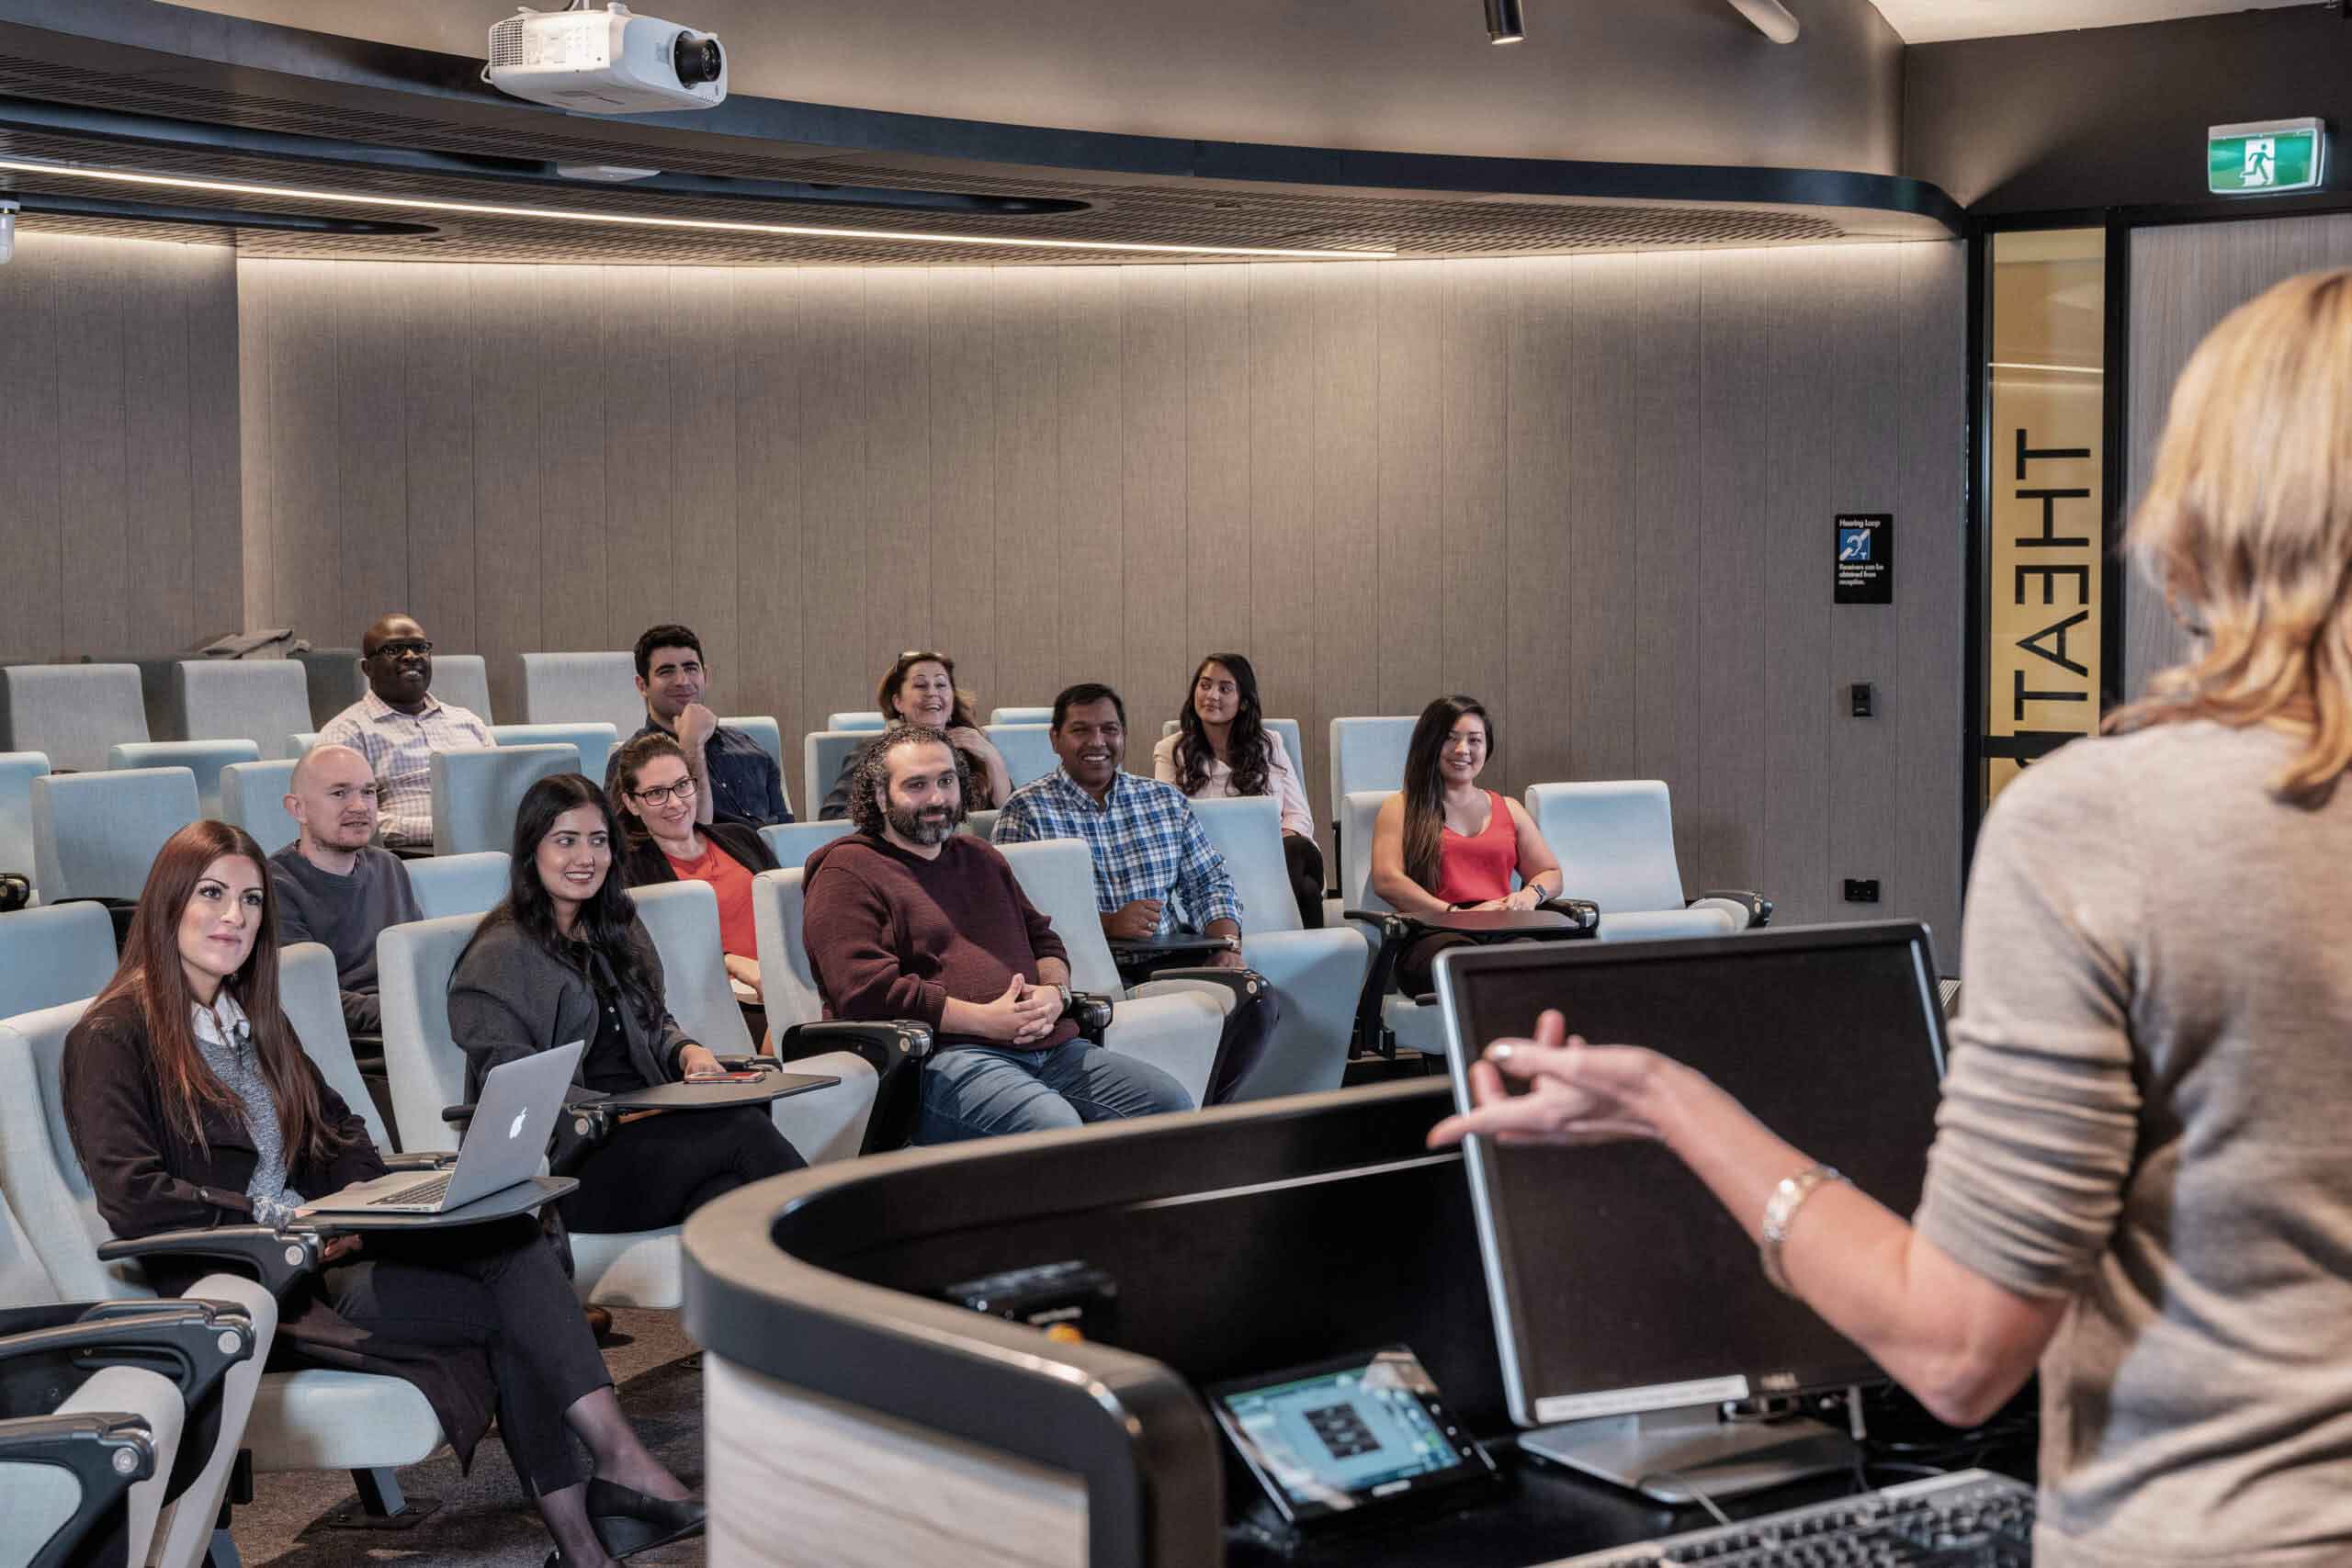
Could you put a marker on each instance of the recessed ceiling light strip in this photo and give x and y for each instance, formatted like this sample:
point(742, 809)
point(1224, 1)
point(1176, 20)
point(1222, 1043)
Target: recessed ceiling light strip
point(647, 220)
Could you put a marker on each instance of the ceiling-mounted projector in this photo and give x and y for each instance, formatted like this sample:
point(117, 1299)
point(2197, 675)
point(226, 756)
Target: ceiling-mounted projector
point(605, 62)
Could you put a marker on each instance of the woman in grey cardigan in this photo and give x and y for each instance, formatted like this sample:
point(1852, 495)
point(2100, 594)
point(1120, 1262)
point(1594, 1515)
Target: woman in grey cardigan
point(564, 957)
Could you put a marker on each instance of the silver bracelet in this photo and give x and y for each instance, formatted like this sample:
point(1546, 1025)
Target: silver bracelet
point(1780, 1212)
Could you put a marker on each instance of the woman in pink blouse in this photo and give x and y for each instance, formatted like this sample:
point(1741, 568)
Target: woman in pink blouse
point(1223, 748)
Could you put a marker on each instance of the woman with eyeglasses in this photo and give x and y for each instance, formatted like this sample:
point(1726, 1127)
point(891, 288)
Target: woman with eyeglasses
point(653, 797)
point(191, 1103)
point(564, 957)
point(920, 688)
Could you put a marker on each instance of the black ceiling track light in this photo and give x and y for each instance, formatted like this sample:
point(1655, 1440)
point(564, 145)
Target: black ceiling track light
point(1505, 22)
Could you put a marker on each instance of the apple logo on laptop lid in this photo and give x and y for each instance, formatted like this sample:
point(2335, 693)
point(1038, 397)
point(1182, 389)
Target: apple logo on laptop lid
point(515, 1129)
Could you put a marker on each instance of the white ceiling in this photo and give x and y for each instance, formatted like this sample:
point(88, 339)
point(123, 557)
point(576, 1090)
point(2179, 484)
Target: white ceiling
point(1933, 21)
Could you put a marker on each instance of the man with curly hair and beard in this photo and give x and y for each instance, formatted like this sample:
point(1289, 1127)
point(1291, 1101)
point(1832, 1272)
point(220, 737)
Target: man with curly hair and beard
point(909, 919)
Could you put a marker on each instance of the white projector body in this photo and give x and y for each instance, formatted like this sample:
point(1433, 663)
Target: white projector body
point(605, 62)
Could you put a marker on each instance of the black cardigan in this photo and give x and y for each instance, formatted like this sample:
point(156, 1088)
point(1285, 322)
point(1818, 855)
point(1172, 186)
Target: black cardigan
point(148, 1177)
point(509, 998)
point(643, 864)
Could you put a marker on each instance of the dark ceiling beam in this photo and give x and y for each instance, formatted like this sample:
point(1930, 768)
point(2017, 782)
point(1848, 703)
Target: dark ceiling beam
point(218, 59)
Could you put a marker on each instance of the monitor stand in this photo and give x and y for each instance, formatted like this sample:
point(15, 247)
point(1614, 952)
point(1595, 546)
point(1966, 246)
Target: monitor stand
point(1675, 1455)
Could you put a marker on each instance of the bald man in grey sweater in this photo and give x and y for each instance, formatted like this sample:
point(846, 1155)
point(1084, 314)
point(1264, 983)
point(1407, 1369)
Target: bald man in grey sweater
point(333, 885)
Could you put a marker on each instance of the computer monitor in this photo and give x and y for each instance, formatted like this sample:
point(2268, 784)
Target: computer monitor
point(1628, 1306)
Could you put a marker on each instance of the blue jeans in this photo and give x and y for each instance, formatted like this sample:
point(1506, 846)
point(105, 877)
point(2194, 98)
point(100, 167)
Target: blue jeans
point(980, 1091)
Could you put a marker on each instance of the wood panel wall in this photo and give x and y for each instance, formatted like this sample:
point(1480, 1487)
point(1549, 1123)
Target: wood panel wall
point(2184, 280)
point(118, 454)
point(1596, 492)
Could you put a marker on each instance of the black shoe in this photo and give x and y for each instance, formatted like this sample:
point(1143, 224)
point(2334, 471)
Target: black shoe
point(629, 1522)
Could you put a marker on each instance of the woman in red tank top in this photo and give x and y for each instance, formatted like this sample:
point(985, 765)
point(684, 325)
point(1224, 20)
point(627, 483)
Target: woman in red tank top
point(1443, 843)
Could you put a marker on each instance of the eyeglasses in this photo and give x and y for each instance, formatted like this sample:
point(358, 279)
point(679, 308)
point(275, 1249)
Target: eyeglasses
point(413, 648)
point(661, 794)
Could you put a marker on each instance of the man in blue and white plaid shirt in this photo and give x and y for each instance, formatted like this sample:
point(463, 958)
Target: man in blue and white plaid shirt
point(1155, 873)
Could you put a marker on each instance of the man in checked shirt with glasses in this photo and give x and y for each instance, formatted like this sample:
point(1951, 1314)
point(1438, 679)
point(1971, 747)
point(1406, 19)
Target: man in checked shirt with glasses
point(399, 725)
point(1157, 876)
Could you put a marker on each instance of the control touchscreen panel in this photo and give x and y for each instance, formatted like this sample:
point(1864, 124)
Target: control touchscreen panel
point(1342, 1436)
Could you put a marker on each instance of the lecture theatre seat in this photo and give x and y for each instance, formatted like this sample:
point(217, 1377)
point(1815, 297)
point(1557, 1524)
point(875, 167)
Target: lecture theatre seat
point(1319, 975)
point(1286, 728)
point(793, 842)
point(861, 720)
point(459, 884)
point(1021, 715)
point(1412, 1026)
point(95, 834)
point(683, 920)
point(823, 753)
point(55, 953)
point(71, 713)
point(1027, 750)
point(594, 742)
point(894, 1050)
point(205, 759)
point(580, 688)
point(1366, 754)
point(1614, 841)
point(477, 789)
point(331, 679)
point(18, 770)
point(253, 796)
point(261, 700)
point(462, 680)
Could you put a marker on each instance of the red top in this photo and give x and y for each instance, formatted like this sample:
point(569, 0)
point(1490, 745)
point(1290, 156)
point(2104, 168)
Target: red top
point(1473, 869)
point(732, 882)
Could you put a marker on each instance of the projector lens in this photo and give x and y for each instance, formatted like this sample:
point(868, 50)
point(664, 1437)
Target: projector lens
point(697, 59)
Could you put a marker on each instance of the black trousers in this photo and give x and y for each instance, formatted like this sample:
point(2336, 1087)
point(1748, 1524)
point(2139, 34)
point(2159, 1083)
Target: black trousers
point(658, 1169)
point(1416, 964)
point(498, 1287)
point(1304, 859)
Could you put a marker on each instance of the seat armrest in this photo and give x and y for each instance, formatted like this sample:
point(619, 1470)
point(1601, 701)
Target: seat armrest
point(1581, 912)
point(1090, 1010)
point(1758, 908)
point(106, 1452)
point(194, 1346)
point(277, 1258)
point(896, 1050)
point(884, 1045)
point(1246, 984)
point(751, 1064)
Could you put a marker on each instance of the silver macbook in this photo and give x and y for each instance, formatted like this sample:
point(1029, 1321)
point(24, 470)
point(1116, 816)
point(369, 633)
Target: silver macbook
point(503, 1144)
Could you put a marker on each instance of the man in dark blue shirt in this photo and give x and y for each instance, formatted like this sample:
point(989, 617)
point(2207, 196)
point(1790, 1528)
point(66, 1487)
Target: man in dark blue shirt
point(734, 775)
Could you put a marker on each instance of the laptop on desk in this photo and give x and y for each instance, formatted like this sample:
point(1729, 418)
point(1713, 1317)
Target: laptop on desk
point(503, 1144)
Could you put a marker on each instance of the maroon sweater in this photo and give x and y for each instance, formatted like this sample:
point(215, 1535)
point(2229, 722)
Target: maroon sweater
point(893, 935)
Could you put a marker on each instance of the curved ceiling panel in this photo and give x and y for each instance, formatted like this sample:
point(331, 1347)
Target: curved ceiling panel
point(386, 134)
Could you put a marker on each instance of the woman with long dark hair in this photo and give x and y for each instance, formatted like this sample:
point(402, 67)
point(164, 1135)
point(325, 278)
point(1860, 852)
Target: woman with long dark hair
point(653, 798)
point(191, 1103)
point(1223, 748)
point(1442, 843)
point(920, 688)
point(564, 957)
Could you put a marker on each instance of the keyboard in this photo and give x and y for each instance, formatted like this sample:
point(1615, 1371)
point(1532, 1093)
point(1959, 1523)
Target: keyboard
point(429, 1191)
point(1971, 1519)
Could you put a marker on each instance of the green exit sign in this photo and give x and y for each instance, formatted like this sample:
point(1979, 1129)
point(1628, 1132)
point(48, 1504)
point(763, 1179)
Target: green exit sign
point(2259, 160)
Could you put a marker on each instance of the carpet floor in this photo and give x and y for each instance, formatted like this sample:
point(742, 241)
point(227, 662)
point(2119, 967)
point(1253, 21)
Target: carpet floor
point(483, 1521)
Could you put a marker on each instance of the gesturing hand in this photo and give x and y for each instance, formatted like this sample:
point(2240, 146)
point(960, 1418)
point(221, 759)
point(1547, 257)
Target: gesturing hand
point(696, 723)
point(1578, 1093)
